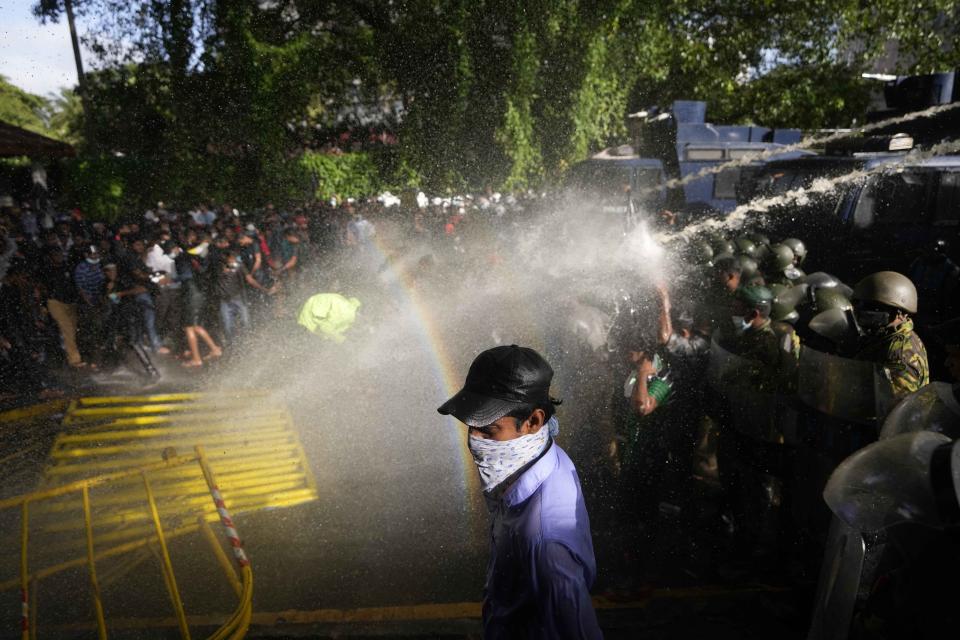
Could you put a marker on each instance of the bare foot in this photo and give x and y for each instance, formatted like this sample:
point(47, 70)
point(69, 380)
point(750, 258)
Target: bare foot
point(213, 355)
point(190, 364)
point(163, 351)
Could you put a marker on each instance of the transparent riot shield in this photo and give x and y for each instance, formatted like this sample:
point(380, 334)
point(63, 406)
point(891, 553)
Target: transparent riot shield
point(842, 402)
point(765, 417)
point(931, 408)
point(880, 486)
point(838, 387)
point(839, 583)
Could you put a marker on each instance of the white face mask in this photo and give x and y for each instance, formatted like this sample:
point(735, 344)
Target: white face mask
point(497, 460)
point(740, 323)
point(93, 260)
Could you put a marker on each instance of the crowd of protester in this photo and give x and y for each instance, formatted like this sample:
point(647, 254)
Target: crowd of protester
point(78, 293)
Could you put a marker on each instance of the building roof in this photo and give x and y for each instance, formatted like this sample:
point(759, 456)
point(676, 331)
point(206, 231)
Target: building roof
point(15, 141)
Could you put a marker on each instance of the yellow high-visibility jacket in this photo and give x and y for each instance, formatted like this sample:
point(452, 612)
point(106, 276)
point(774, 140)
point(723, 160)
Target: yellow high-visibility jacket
point(328, 315)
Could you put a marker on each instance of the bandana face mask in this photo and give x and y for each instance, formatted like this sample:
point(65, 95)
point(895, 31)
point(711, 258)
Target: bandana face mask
point(497, 460)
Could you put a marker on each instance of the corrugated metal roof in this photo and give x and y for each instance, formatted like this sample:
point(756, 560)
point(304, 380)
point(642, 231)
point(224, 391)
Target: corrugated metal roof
point(15, 141)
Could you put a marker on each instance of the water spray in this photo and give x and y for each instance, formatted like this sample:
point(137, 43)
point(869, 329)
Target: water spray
point(801, 196)
point(750, 158)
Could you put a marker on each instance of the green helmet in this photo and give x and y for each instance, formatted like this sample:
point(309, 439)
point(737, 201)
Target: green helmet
point(778, 289)
point(784, 307)
point(831, 298)
point(887, 288)
point(783, 311)
point(723, 246)
point(799, 249)
point(754, 296)
point(745, 246)
point(759, 239)
point(702, 252)
point(726, 261)
point(748, 267)
point(779, 258)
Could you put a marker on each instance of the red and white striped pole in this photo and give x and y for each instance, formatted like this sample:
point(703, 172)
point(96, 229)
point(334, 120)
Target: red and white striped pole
point(227, 523)
point(225, 518)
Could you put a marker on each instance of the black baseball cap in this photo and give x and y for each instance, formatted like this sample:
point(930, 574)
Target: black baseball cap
point(500, 380)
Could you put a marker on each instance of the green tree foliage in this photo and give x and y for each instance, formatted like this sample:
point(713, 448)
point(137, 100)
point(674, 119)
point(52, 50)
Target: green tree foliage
point(22, 109)
point(207, 95)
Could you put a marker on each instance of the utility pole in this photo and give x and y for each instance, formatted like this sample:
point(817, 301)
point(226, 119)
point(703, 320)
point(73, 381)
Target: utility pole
point(68, 5)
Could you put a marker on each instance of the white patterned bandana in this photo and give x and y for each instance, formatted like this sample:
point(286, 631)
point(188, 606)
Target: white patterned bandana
point(497, 460)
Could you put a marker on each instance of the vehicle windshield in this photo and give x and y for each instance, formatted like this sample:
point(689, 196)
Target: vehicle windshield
point(609, 183)
point(775, 181)
point(909, 196)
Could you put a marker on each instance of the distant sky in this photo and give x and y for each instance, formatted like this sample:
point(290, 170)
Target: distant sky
point(36, 57)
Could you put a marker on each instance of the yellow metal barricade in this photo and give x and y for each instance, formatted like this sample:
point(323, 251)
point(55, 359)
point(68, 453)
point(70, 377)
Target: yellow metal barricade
point(251, 439)
point(235, 627)
point(127, 448)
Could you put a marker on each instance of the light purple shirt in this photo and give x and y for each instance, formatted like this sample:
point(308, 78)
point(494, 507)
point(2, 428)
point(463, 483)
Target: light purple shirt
point(541, 556)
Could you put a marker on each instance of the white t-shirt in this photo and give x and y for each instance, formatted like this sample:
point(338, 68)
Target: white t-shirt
point(157, 260)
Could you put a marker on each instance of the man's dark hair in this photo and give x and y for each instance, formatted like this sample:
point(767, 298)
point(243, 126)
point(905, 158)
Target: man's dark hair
point(548, 406)
point(728, 265)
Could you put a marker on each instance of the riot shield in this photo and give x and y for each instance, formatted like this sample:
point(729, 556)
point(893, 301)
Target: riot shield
point(930, 408)
point(838, 387)
point(838, 584)
point(886, 484)
point(842, 402)
point(761, 416)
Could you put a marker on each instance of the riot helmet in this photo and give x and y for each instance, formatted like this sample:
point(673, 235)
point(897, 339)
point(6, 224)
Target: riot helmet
point(780, 257)
point(887, 288)
point(782, 311)
point(748, 267)
point(777, 289)
point(755, 297)
point(762, 243)
point(745, 246)
point(799, 250)
point(759, 239)
point(723, 246)
point(830, 298)
point(702, 252)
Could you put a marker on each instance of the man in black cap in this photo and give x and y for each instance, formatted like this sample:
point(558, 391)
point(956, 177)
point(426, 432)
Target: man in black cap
point(541, 552)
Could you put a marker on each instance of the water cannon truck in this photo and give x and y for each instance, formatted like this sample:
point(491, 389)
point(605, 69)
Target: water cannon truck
point(900, 201)
point(671, 145)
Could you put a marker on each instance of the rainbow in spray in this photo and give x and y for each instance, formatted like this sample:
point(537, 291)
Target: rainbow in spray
point(448, 378)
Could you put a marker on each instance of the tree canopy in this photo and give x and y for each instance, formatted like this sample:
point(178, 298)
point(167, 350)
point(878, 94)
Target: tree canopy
point(22, 109)
point(219, 98)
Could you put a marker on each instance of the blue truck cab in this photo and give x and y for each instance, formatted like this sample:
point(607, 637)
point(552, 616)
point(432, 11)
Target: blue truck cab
point(617, 181)
point(701, 145)
point(676, 144)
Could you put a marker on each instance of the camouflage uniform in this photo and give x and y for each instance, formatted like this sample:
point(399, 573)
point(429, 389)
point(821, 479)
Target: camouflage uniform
point(752, 457)
point(773, 354)
point(902, 355)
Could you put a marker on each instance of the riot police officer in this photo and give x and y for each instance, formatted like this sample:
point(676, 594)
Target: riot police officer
point(753, 337)
point(752, 372)
point(722, 281)
point(883, 303)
